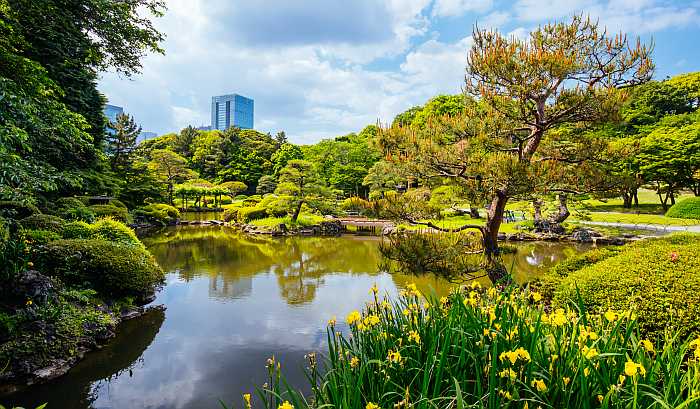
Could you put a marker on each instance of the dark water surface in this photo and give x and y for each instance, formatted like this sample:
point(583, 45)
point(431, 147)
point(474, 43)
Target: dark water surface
point(233, 301)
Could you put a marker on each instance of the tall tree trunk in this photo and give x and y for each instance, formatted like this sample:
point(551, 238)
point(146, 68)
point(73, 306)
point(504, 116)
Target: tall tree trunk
point(537, 205)
point(636, 197)
point(295, 216)
point(627, 200)
point(495, 269)
point(563, 209)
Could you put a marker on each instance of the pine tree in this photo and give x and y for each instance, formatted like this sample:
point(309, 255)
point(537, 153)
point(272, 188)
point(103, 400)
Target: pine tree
point(121, 141)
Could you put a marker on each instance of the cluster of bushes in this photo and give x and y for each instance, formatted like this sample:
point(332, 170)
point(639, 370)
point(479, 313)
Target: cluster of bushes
point(256, 207)
point(71, 208)
point(112, 268)
point(115, 211)
point(105, 255)
point(685, 209)
point(490, 349)
point(659, 278)
point(160, 214)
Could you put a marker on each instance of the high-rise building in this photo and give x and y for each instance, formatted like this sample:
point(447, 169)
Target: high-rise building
point(112, 111)
point(231, 110)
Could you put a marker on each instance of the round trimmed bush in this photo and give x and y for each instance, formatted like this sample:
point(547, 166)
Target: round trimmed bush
point(157, 213)
point(115, 231)
point(77, 230)
point(111, 268)
point(246, 214)
point(685, 209)
point(17, 210)
point(658, 278)
point(115, 212)
point(43, 222)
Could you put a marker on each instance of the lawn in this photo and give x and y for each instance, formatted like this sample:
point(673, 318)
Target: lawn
point(632, 218)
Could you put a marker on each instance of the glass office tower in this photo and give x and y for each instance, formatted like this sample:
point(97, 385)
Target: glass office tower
point(231, 110)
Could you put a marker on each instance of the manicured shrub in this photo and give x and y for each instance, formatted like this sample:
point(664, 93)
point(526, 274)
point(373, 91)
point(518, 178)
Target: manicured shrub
point(39, 237)
point(659, 278)
point(488, 349)
point(115, 212)
point(111, 268)
point(17, 210)
point(43, 222)
point(549, 282)
point(161, 214)
point(251, 202)
point(685, 209)
point(114, 231)
point(77, 230)
point(246, 214)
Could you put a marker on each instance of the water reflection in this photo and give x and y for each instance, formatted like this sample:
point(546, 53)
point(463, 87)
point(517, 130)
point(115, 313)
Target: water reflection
point(232, 301)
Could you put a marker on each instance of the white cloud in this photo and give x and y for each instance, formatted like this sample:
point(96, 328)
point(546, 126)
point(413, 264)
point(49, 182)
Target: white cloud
point(322, 83)
point(456, 8)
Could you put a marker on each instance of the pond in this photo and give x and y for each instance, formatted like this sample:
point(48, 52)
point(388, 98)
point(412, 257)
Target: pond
point(233, 301)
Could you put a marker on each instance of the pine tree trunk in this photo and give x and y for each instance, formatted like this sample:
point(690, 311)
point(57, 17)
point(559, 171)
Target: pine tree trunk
point(474, 212)
point(295, 216)
point(495, 269)
point(537, 205)
point(563, 209)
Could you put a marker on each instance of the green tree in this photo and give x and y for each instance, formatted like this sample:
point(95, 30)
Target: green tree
point(76, 40)
point(517, 92)
point(234, 188)
point(121, 142)
point(183, 141)
point(169, 168)
point(44, 146)
point(300, 183)
point(283, 155)
point(266, 184)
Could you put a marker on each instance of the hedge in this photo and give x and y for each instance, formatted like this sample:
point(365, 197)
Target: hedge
point(246, 214)
point(549, 282)
point(110, 268)
point(43, 222)
point(115, 212)
point(115, 231)
point(77, 230)
point(659, 278)
point(162, 214)
point(685, 209)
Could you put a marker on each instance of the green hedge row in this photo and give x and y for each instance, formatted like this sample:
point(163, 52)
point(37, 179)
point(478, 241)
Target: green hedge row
point(658, 278)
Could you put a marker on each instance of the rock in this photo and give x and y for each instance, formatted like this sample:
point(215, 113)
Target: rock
point(582, 236)
point(388, 230)
point(34, 286)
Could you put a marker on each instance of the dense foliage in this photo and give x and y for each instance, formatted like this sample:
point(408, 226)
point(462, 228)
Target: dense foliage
point(659, 278)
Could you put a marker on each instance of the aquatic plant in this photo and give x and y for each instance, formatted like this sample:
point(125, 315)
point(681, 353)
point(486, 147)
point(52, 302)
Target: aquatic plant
point(491, 349)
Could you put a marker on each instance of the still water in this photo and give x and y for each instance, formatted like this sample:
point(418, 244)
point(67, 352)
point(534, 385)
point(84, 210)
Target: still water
point(233, 301)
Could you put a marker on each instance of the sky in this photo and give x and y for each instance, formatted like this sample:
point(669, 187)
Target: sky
point(323, 68)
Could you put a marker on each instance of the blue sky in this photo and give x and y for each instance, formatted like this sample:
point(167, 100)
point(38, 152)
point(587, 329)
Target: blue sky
point(322, 68)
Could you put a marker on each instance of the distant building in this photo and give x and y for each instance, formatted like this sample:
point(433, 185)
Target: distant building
point(111, 112)
point(146, 135)
point(231, 110)
point(203, 128)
